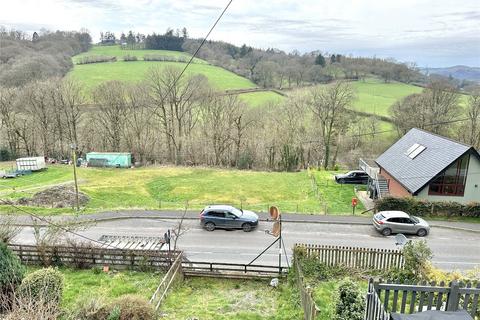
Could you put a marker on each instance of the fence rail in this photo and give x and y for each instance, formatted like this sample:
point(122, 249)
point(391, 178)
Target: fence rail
point(374, 309)
point(89, 256)
point(175, 272)
point(411, 298)
point(310, 309)
point(355, 257)
point(233, 269)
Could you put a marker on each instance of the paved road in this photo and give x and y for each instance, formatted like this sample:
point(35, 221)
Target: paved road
point(453, 249)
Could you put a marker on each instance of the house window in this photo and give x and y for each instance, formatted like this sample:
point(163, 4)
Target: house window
point(451, 182)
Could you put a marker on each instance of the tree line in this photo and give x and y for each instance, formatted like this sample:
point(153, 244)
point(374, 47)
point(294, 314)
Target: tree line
point(184, 122)
point(43, 55)
point(187, 122)
point(272, 67)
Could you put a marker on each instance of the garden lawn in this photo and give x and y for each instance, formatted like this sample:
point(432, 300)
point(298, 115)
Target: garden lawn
point(84, 284)
point(338, 197)
point(324, 294)
point(210, 298)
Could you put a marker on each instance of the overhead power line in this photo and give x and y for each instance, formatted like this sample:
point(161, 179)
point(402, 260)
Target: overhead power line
point(392, 130)
point(198, 49)
point(33, 215)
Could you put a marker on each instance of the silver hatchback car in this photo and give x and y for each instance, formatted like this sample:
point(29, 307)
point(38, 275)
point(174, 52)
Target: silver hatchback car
point(388, 222)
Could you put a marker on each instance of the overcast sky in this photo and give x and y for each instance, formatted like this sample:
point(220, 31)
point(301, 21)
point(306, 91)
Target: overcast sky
point(433, 33)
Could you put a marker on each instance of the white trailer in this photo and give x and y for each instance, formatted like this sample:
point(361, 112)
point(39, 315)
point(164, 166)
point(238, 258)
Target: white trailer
point(31, 163)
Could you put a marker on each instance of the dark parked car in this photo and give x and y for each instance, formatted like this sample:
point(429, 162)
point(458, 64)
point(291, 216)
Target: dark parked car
point(227, 217)
point(352, 177)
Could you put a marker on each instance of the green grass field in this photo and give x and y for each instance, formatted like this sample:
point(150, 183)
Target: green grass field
point(173, 187)
point(118, 52)
point(209, 298)
point(374, 96)
point(260, 99)
point(94, 74)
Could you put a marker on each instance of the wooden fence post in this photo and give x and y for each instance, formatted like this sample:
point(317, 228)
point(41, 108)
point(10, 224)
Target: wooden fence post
point(453, 296)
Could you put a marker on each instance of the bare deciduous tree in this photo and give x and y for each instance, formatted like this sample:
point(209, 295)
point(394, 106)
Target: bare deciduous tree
point(112, 111)
point(329, 104)
point(473, 114)
point(175, 101)
point(8, 117)
point(221, 118)
point(434, 109)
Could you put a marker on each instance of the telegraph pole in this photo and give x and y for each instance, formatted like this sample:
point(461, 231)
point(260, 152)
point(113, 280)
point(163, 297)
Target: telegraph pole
point(280, 246)
point(74, 154)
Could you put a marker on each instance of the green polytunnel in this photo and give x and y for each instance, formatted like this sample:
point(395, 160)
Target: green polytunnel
point(109, 159)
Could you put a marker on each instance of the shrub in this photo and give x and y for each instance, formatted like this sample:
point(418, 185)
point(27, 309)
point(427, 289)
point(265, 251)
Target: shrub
point(423, 207)
point(130, 58)
point(96, 59)
point(6, 155)
point(29, 309)
point(417, 257)
point(8, 228)
point(245, 161)
point(43, 285)
point(89, 308)
point(11, 275)
point(349, 302)
point(132, 308)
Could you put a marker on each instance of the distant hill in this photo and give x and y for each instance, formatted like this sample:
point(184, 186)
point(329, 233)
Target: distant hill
point(458, 72)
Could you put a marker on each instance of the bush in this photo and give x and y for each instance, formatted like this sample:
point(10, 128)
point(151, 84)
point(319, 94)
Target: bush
point(28, 309)
point(11, 274)
point(131, 308)
point(417, 257)
point(43, 285)
point(349, 301)
point(130, 58)
point(428, 208)
point(89, 308)
point(5, 155)
point(245, 161)
point(96, 59)
point(315, 270)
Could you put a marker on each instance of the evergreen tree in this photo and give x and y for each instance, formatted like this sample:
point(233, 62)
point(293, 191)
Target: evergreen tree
point(131, 39)
point(244, 50)
point(332, 59)
point(320, 60)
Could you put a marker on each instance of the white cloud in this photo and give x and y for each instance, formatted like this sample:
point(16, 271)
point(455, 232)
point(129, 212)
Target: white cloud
point(440, 32)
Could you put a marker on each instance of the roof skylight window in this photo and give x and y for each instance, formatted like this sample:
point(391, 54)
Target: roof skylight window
point(415, 150)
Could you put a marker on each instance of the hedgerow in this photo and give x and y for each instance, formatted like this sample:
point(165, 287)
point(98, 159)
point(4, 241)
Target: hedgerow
point(420, 207)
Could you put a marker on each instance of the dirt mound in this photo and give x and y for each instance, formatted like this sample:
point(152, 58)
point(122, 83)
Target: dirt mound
point(55, 197)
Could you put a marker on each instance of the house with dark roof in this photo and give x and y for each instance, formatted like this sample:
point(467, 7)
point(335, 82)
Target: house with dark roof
point(427, 166)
